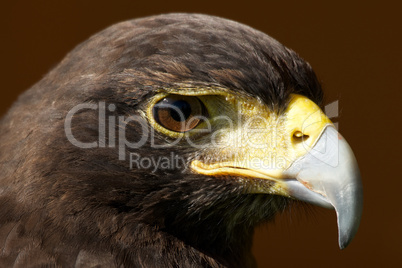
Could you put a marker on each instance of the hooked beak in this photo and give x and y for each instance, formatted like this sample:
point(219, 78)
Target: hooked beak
point(328, 176)
point(320, 166)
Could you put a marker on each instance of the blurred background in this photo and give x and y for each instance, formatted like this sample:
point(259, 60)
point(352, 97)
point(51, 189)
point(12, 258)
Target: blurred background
point(355, 49)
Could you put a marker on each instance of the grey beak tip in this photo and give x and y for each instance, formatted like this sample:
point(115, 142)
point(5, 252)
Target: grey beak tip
point(349, 212)
point(348, 226)
point(331, 170)
point(344, 240)
point(343, 245)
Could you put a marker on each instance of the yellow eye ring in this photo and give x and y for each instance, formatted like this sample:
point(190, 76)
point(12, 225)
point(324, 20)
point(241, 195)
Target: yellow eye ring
point(179, 113)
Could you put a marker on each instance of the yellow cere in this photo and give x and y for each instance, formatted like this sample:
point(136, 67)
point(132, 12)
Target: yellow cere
point(246, 138)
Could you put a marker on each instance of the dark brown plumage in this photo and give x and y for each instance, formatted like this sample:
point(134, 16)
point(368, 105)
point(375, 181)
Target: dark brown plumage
point(69, 207)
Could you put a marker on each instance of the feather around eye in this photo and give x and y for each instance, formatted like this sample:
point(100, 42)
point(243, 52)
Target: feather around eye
point(178, 113)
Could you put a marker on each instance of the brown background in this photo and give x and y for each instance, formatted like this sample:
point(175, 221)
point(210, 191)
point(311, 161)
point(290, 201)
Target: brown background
point(355, 49)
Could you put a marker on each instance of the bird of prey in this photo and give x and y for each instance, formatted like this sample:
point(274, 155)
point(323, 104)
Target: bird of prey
point(162, 142)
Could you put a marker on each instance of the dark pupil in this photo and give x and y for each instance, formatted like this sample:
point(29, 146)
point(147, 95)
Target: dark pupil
point(182, 110)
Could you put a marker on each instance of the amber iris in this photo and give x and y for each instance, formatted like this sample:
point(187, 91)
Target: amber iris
point(179, 113)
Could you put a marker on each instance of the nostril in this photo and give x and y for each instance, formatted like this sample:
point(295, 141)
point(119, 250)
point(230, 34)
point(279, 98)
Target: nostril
point(299, 136)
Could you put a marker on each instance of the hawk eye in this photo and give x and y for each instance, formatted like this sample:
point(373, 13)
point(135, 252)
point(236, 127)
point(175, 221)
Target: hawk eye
point(179, 113)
